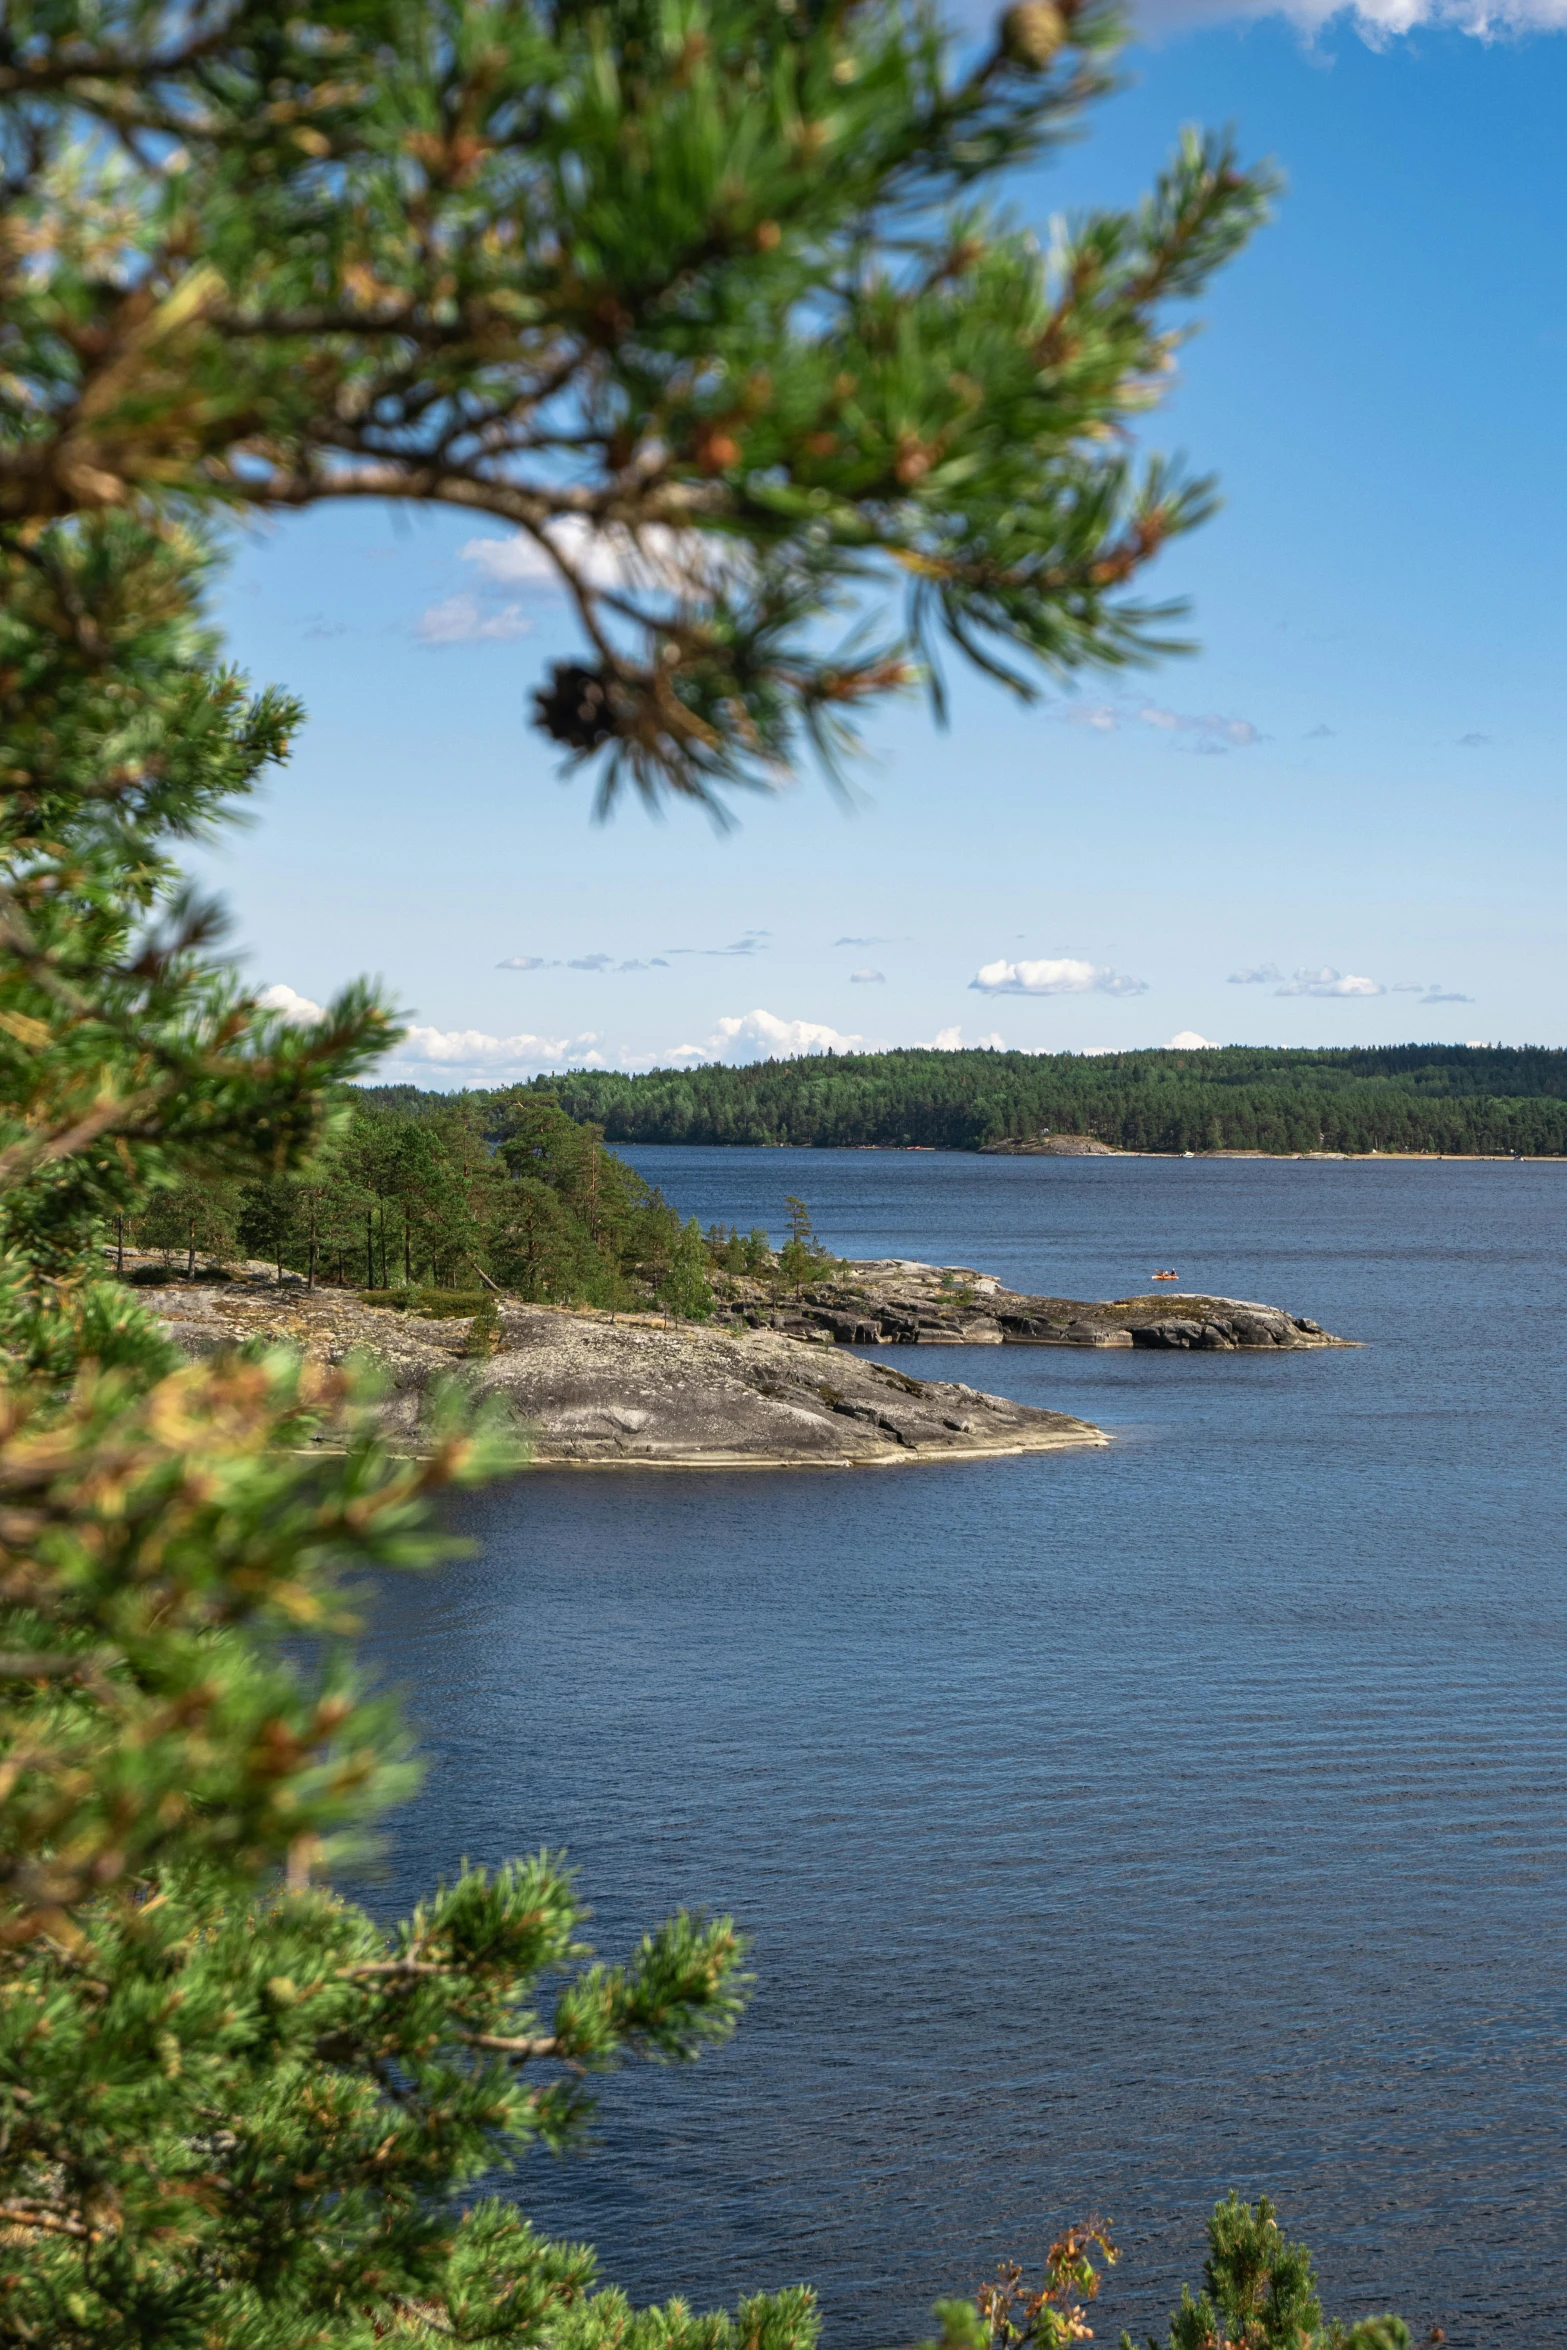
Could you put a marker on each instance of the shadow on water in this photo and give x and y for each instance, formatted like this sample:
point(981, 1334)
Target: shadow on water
point(1112, 1828)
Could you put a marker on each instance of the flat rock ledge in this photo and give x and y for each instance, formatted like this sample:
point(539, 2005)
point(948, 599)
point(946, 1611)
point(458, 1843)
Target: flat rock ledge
point(633, 1391)
point(894, 1301)
point(1053, 1146)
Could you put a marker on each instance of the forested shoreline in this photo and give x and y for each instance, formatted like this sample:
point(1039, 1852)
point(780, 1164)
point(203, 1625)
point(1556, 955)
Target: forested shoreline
point(441, 1198)
point(1453, 1099)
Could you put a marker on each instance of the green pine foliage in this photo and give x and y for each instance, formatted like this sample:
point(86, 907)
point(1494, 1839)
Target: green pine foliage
point(235, 2113)
point(1259, 2293)
point(716, 290)
point(411, 1201)
point(1442, 1098)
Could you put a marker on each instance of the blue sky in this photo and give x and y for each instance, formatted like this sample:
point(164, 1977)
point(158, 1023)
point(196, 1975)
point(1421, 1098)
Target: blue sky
point(1353, 793)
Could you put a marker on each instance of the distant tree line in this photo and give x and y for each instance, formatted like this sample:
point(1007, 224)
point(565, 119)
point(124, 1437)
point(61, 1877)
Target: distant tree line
point(1437, 1098)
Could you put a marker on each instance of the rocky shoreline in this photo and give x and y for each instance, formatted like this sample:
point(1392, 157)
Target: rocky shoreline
point(895, 1301)
point(594, 1390)
point(769, 1383)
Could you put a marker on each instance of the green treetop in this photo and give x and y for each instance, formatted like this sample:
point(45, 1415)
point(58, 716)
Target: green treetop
point(709, 299)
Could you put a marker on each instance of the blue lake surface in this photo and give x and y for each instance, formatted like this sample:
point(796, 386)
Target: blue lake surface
point(1112, 1829)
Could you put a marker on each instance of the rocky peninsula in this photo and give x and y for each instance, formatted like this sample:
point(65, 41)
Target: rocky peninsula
point(596, 1390)
point(768, 1383)
point(895, 1301)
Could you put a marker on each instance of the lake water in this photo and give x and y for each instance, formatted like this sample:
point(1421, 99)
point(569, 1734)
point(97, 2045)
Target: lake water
point(1113, 1829)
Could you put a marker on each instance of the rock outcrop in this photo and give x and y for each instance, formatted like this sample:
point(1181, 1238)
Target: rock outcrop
point(770, 1383)
point(633, 1391)
point(1052, 1146)
point(893, 1301)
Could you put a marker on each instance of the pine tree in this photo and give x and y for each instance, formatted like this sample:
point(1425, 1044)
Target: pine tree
point(1259, 2293)
point(705, 298)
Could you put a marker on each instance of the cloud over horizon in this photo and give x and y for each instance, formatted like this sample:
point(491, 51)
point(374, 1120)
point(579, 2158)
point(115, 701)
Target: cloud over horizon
point(1057, 975)
point(474, 1049)
point(950, 1040)
point(763, 1036)
point(462, 1050)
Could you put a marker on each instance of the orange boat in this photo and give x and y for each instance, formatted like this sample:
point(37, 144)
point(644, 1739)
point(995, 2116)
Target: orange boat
point(1166, 1276)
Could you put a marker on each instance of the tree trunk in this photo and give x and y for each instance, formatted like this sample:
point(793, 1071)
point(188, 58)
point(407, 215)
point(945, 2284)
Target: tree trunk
point(408, 1251)
point(311, 1282)
point(119, 1245)
point(190, 1258)
point(369, 1248)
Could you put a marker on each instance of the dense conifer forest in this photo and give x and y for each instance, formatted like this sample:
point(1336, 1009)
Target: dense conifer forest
point(1456, 1099)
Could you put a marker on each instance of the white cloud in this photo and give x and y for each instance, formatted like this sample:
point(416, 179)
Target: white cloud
point(297, 1009)
point(1060, 975)
point(762, 1036)
point(463, 620)
point(1377, 21)
point(950, 1040)
point(868, 978)
point(472, 1048)
point(1328, 982)
point(655, 558)
point(1187, 1040)
point(522, 963)
point(506, 569)
point(1210, 731)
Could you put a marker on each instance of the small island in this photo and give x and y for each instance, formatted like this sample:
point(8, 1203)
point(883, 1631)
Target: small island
point(767, 1383)
point(896, 1301)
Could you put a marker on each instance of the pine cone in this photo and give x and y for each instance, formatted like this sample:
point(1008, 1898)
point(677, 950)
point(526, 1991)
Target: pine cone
point(1033, 33)
point(575, 707)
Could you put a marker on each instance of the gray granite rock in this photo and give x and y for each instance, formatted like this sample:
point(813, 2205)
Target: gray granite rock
point(601, 1391)
point(893, 1301)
